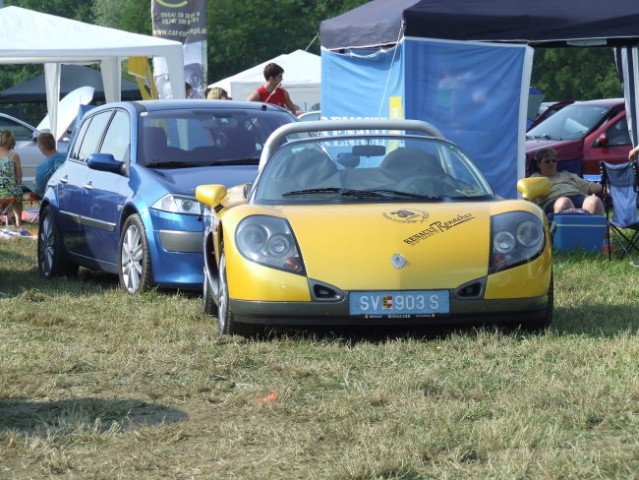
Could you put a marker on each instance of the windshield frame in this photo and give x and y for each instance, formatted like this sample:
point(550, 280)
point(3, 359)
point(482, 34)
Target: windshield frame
point(358, 159)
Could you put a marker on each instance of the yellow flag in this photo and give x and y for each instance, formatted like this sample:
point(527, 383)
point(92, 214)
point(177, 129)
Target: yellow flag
point(140, 69)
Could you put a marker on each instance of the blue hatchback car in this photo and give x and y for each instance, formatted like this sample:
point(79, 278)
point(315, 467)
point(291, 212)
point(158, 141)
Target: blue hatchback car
point(124, 200)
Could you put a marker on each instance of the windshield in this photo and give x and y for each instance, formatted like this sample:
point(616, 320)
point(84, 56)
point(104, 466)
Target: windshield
point(369, 168)
point(570, 123)
point(195, 138)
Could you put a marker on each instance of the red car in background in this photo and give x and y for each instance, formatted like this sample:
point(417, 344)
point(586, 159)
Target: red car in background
point(584, 134)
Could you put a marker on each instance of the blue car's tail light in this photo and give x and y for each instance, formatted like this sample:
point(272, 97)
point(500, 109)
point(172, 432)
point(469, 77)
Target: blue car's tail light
point(269, 241)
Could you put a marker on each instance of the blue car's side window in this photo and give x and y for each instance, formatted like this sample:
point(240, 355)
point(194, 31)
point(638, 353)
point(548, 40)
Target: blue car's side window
point(117, 138)
point(90, 141)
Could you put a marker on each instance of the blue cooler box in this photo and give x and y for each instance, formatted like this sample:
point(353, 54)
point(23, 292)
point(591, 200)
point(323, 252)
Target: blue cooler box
point(578, 232)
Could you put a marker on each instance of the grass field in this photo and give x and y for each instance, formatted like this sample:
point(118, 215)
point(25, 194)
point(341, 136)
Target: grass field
point(95, 384)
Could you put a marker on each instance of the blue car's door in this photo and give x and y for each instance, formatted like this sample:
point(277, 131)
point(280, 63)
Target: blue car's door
point(69, 181)
point(70, 184)
point(106, 194)
point(74, 176)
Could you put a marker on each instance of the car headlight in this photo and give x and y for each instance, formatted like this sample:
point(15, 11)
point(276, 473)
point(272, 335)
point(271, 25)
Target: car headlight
point(178, 204)
point(516, 238)
point(269, 241)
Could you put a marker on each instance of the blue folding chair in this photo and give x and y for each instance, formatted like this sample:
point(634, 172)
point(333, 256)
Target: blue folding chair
point(620, 182)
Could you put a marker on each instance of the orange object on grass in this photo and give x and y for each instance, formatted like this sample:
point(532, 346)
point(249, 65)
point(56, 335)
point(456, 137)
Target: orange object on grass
point(268, 399)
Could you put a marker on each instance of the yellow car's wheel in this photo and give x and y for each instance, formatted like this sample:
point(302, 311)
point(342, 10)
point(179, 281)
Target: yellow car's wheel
point(225, 318)
point(543, 323)
point(208, 302)
point(225, 323)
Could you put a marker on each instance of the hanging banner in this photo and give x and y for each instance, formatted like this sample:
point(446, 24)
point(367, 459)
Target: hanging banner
point(185, 22)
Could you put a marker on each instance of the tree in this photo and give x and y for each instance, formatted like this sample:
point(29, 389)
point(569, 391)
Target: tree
point(576, 73)
point(129, 15)
point(242, 37)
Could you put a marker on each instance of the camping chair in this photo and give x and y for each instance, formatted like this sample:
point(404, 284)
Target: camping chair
point(6, 208)
point(621, 187)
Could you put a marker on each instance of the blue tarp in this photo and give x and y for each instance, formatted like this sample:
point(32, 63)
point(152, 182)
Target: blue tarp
point(470, 91)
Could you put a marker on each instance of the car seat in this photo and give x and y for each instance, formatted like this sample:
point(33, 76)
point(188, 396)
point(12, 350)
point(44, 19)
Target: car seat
point(405, 162)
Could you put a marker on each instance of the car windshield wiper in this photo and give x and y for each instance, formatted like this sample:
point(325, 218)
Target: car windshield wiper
point(169, 164)
point(543, 136)
point(347, 192)
point(234, 161)
point(311, 191)
point(385, 192)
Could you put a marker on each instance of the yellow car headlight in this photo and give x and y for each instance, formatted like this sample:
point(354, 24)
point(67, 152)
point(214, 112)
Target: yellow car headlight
point(516, 238)
point(269, 241)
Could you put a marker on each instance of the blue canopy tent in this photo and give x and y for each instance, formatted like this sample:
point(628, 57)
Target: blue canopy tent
point(465, 66)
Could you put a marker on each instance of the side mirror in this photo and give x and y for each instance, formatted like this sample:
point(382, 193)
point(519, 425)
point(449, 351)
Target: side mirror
point(601, 140)
point(210, 195)
point(104, 162)
point(533, 187)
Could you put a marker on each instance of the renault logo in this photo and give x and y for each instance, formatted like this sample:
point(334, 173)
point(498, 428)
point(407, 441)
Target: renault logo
point(398, 261)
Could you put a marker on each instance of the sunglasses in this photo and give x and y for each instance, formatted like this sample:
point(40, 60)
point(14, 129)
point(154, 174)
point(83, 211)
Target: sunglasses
point(550, 160)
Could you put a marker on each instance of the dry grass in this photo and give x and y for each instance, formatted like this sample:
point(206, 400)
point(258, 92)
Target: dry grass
point(97, 384)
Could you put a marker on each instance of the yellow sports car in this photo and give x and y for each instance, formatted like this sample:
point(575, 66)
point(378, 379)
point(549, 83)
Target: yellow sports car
point(371, 222)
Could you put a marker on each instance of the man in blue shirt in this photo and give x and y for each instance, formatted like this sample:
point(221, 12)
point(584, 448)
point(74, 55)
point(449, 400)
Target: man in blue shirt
point(47, 145)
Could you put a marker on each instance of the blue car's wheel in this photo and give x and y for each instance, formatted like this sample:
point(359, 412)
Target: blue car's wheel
point(135, 261)
point(52, 260)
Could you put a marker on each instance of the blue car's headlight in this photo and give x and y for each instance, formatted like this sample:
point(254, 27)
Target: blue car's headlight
point(516, 238)
point(269, 241)
point(178, 204)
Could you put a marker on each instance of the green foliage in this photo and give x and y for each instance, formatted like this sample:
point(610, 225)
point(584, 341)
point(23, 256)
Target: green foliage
point(242, 37)
point(73, 9)
point(124, 15)
point(576, 73)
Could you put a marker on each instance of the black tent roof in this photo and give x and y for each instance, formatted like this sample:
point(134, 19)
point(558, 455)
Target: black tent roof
point(71, 77)
point(549, 23)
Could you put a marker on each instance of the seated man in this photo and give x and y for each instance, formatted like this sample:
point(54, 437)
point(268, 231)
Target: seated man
point(53, 159)
point(567, 190)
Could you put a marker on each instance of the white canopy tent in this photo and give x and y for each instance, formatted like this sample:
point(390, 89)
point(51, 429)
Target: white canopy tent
point(302, 79)
point(33, 37)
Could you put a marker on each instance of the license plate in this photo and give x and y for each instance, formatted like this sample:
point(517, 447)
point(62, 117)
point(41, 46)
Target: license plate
point(399, 303)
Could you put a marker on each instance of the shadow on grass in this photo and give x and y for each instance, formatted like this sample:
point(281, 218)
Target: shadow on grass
point(355, 335)
point(85, 414)
point(596, 320)
point(85, 281)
